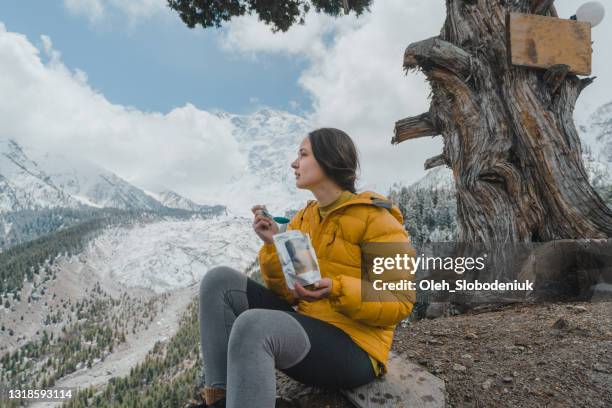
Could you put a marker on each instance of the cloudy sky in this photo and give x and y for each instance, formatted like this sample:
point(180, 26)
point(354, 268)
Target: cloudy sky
point(127, 84)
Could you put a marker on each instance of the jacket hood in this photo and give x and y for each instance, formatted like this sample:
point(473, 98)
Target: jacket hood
point(367, 198)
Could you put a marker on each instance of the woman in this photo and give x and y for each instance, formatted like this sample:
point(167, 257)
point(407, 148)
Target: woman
point(333, 339)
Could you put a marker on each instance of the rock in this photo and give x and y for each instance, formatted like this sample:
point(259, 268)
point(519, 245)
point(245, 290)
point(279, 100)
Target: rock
point(602, 292)
point(435, 310)
point(405, 382)
point(599, 368)
point(507, 379)
point(560, 324)
point(577, 308)
point(466, 356)
point(459, 367)
point(471, 336)
point(487, 384)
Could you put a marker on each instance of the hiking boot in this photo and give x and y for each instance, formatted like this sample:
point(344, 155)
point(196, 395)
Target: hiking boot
point(198, 399)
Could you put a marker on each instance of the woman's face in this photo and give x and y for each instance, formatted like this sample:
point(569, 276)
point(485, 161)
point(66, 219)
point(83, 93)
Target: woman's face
point(307, 171)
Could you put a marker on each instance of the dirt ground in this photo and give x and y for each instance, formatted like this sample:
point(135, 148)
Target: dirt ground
point(539, 355)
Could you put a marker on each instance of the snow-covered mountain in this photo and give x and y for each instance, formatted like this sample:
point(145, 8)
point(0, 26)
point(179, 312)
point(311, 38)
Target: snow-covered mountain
point(269, 139)
point(172, 199)
point(34, 179)
point(41, 192)
point(91, 184)
point(25, 185)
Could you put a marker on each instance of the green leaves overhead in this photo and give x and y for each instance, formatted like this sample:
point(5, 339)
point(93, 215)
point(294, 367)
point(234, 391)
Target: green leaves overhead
point(280, 15)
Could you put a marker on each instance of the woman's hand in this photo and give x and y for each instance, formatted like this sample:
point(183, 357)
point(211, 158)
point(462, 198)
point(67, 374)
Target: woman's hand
point(322, 290)
point(264, 227)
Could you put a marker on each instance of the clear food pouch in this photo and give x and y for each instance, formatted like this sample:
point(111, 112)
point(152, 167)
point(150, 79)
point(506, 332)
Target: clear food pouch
point(297, 257)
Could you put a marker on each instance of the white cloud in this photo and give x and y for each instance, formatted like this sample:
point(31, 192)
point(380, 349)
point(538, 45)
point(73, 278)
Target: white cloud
point(248, 35)
point(92, 9)
point(97, 10)
point(46, 105)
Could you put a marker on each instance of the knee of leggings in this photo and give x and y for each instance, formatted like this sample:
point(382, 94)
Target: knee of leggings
point(250, 326)
point(217, 278)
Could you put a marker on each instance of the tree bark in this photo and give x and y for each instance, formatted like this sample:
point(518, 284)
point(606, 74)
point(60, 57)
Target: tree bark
point(413, 128)
point(509, 134)
point(439, 160)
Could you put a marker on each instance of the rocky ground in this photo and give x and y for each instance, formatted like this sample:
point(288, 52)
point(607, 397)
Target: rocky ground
point(522, 355)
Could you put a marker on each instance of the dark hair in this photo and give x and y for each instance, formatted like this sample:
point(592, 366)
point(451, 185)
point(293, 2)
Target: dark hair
point(335, 152)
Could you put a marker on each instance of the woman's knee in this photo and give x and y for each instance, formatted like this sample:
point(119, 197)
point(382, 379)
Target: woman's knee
point(219, 278)
point(273, 331)
point(252, 326)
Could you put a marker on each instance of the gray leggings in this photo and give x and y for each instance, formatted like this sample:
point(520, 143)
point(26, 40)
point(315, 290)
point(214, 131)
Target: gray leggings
point(246, 332)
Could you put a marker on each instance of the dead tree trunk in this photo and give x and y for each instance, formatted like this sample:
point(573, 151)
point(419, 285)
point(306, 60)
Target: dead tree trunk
point(509, 134)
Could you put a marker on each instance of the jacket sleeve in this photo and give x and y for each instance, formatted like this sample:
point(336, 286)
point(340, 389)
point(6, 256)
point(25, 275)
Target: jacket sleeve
point(271, 270)
point(377, 308)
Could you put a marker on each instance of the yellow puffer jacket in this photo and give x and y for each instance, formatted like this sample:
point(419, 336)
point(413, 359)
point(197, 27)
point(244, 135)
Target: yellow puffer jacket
point(338, 239)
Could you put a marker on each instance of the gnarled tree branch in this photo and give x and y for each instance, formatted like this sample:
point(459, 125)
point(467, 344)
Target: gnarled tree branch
point(586, 82)
point(414, 127)
point(439, 160)
point(436, 52)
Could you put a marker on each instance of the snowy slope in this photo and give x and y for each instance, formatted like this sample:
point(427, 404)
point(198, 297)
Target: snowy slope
point(269, 139)
point(31, 179)
point(440, 178)
point(91, 184)
point(172, 254)
point(25, 185)
point(172, 199)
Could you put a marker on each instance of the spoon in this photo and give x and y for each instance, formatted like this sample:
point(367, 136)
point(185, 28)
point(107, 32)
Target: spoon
point(280, 220)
